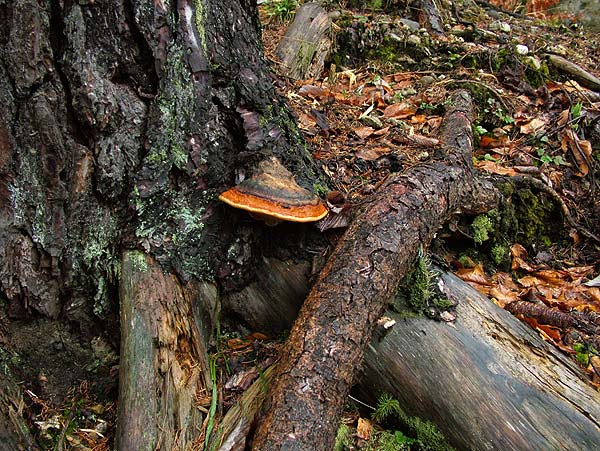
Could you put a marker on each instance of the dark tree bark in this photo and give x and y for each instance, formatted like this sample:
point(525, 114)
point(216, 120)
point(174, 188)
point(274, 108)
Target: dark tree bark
point(121, 123)
point(326, 344)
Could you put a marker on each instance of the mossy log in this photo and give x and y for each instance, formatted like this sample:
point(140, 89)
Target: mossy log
point(327, 341)
point(487, 380)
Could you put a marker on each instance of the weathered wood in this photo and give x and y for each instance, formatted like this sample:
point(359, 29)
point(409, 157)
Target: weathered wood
point(488, 381)
point(306, 44)
point(163, 365)
point(326, 344)
point(582, 76)
point(236, 425)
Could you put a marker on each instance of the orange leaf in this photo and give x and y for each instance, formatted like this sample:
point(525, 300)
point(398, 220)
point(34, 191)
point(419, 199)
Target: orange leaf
point(364, 132)
point(474, 275)
point(364, 429)
point(399, 110)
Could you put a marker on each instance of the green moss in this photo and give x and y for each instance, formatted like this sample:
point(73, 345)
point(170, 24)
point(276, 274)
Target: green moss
point(482, 226)
point(535, 218)
point(424, 435)
point(199, 16)
point(343, 439)
point(500, 254)
point(320, 190)
point(417, 289)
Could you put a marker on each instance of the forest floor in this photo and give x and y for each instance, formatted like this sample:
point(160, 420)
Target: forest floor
point(375, 111)
point(532, 121)
point(376, 107)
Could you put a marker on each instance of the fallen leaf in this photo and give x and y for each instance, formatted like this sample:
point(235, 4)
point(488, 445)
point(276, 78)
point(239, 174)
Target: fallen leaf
point(313, 91)
point(364, 429)
point(399, 110)
point(475, 275)
point(533, 126)
point(367, 154)
point(364, 132)
point(494, 168)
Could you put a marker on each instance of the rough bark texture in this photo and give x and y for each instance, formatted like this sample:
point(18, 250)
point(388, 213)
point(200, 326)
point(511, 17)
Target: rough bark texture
point(326, 344)
point(488, 381)
point(121, 123)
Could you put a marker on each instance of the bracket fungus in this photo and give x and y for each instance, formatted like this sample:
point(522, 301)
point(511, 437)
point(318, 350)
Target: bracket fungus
point(273, 195)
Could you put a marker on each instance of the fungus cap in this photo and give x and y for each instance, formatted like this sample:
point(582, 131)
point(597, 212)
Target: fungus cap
point(273, 194)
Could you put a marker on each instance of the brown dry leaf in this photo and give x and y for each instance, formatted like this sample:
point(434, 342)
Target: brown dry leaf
point(364, 429)
point(533, 126)
point(237, 344)
point(551, 276)
point(474, 275)
point(434, 122)
point(494, 142)
point(550, 333)
point(312, 91)
point(503, 295)
point(382, 131)
point(581, 150)
point(258, 336)
point(494, 168)
point(364, 132)
point(368, 154)
point(400, 110)
point(418, 119)
point(306, 120)
point(519, 254)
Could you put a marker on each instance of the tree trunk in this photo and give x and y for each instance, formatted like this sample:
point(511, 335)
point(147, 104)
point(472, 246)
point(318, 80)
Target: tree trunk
point(327, 341)
point(122, 121)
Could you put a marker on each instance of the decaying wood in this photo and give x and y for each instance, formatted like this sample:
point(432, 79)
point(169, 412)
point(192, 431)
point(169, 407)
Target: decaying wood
point(583, 77)
point(430, 16)
point(306, 44)
point(488, 381)
point(326, 344)
point(236, 425)
point(163, 366)
point(14, 433)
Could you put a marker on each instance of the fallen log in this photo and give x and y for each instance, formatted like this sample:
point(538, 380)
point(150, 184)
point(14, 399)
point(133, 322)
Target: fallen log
point(327, 341)
point(488, 381)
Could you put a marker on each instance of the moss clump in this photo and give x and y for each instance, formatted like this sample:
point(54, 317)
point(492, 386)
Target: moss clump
point(500, 254)
point(425, 436)
point(482, 226)
point(419, 282)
